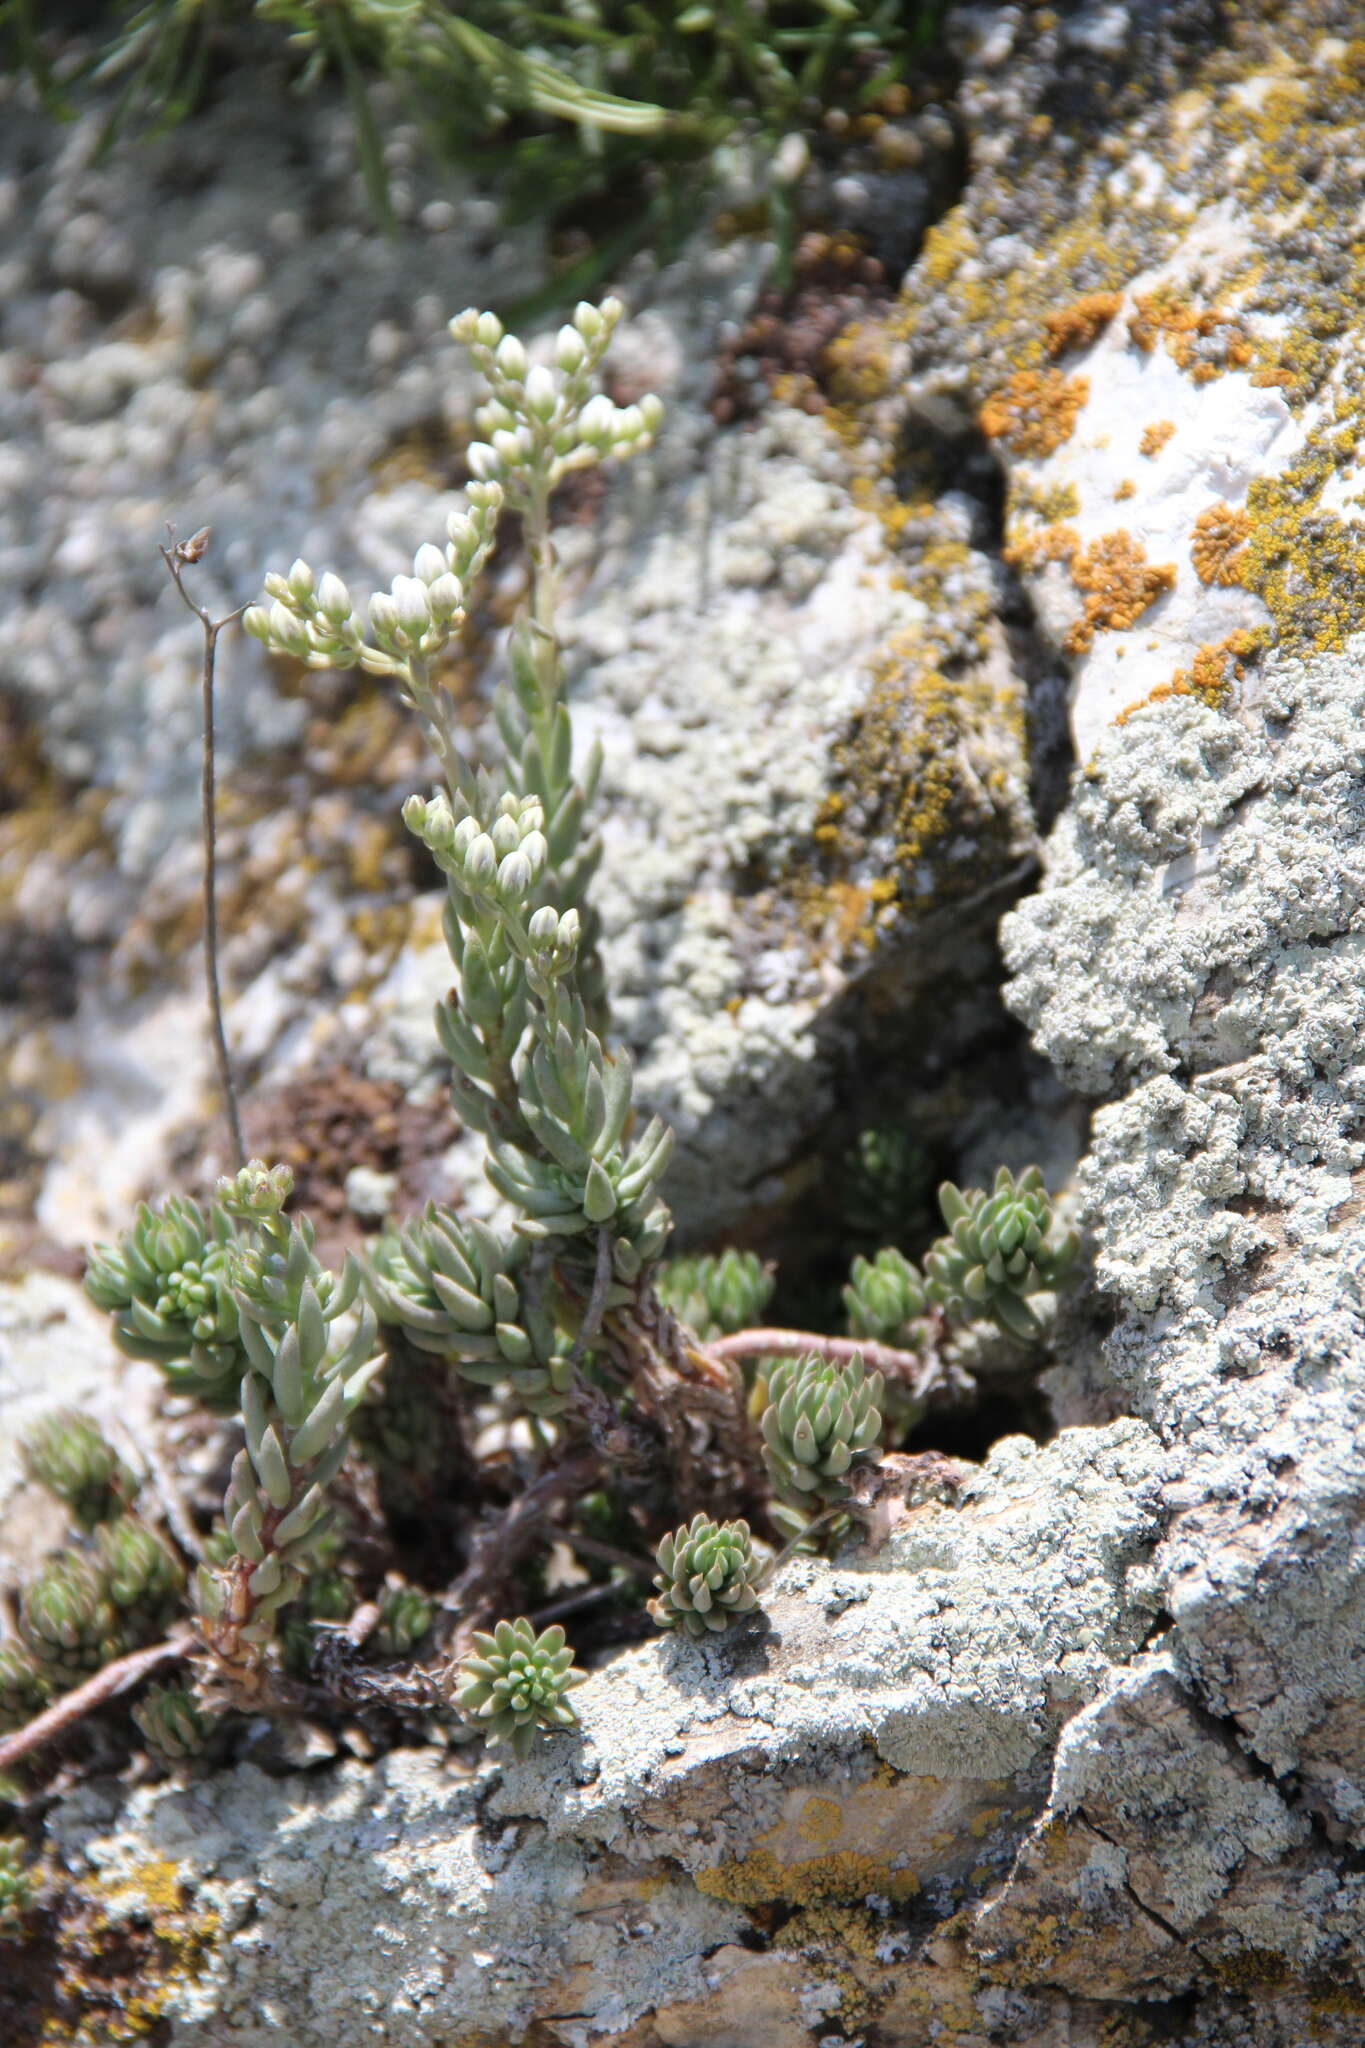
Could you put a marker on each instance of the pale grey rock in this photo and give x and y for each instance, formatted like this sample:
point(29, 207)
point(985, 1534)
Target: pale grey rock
point(281, 371)
point(895, 1716)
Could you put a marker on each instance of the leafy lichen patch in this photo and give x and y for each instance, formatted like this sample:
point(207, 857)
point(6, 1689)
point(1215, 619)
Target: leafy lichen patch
point(1034, 411)
point(1119, 585)
point(1216, 543)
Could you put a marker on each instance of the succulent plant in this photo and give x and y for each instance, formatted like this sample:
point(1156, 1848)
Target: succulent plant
point(16, 1885)
point(1002, 1247)
point(513, 1683)
point(717, 1294)
point(820, 1418)
point(68, 1621)
point(172, 1723)
point(885, 1184)
point(708, 1576)
point(885, 1296)
point(142, 1575)
point(450, 1285)
point(308, 1365)
point(405, 1615)
point(66, 1453)
point(25, 1686)
point(166, 1285)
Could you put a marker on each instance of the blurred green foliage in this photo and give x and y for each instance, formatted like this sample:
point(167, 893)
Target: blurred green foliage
point(553, 102)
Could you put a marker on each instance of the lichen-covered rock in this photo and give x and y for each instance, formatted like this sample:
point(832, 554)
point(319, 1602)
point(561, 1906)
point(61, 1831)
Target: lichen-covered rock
point(814, 727)
point(872, 1755)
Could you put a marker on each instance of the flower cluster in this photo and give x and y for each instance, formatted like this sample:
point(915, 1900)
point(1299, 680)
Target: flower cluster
point(540, 422)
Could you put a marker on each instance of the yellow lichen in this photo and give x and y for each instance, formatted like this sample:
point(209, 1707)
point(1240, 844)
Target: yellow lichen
point(820, 1820)
point(1035, 411)
point(1057, 543)
point(122, 1946)
point(1119, 585)
point(844, 1874)
point(1127, 489)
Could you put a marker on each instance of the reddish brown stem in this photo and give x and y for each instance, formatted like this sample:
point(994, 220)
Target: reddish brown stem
point(884, 1358)
point(74, 1706)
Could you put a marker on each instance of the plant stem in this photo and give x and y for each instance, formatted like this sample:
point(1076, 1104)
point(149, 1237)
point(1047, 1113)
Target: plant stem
point(499, 1546)
point(177, 557)
point(922, 1373)
point(74, 1706)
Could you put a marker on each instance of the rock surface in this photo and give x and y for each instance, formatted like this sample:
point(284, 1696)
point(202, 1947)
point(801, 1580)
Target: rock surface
point(755, 635)
point(1079, 1760)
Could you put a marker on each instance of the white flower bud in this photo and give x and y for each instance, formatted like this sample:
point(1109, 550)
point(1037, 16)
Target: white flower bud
point(611, 310)
point(415, 808)
point(334, 599)
point(461, 532)
point(570, 928)
point(514, 877)
point(652, 412)
point(445, 596)
point(510, 358)
point(569, 350)
point(597, 421)
point(488, 329)
point(428, 563)
point(535, 851)
point(466, 832)
point(485, 499)
point(410, 602)
point(507, 448)
point(256, 622)
point(464, 327)
point(301, 580)
point(630, 424)
point(481, 860)
point(587, 320)
point(383, 614)
point(287, 630)
point(491, 416)
point(541, 394)
point(278, 586)
point(483, 463)
point(505, 834)
point(543, 927)
point(790, 159)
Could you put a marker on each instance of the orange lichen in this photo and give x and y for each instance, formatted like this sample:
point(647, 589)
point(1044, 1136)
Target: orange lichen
point(1077, 325)
point(1035, 411)
point(1208, 676)
point(1203, 342)
point(1155, 437)
point(1127, 489)
point(1119, 584)
point(1216, 543)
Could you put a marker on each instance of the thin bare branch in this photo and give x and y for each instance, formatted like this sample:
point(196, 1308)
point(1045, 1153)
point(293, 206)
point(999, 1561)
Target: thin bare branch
point(179, 556)
point(74, 1706)
point(499, 1545)
point(922, 1374)
point(591, 1546)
